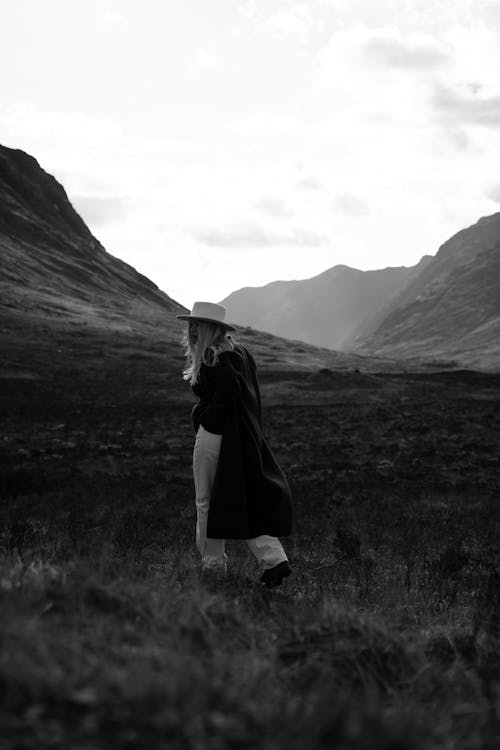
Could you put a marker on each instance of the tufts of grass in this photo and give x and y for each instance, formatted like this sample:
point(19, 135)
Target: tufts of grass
point(386, 635)
point(110, 652)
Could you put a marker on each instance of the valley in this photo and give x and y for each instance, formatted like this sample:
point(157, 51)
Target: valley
point(112, 637)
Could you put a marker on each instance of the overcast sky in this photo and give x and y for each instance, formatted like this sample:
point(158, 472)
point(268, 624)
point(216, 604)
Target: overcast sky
point(216, 144)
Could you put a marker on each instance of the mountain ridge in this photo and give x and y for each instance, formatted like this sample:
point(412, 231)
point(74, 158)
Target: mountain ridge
point(452, 309)
point(54, 272)
point(300, 309)
point(50, 259)
point(67, 304)
point(447, 307)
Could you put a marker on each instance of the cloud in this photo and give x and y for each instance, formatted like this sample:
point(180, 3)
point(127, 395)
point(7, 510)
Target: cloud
point(390, 46)
point(374, 73)
point(493, 193)
point(262, 124)
point(98, 211)
point(253, 236)
point(312, 182)
point(459, 138)
point(396, 91)
point(352, 204)
point(273, 207)
point(63, 130)
point(467, 107)
point(357, 57)
point(206, 60)
point(287, 20)
point(296, 20)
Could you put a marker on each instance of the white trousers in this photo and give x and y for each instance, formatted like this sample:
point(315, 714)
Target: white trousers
point(267, 549)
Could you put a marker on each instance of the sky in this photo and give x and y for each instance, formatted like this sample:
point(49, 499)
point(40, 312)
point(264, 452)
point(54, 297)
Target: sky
point(223, 144)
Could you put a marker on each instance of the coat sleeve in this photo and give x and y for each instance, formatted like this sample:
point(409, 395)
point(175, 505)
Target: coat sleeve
point(226, 393)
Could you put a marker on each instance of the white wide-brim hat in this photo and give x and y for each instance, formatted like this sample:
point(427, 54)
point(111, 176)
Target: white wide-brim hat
point(208, 312)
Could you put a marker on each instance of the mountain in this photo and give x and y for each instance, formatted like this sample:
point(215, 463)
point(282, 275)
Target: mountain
point(51, 264)
point(327, 310)
point(71, 313)
point(446, 308)
point(451, 310)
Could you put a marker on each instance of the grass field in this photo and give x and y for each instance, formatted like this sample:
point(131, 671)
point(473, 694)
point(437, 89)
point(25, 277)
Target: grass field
point(386, 636)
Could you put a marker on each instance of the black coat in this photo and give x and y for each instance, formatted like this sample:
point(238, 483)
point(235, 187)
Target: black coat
point(250, 495)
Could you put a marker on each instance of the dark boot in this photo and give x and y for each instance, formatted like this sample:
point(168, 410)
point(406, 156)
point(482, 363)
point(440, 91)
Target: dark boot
point(274, 576)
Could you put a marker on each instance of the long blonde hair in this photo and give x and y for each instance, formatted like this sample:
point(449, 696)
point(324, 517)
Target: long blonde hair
point(212, 339)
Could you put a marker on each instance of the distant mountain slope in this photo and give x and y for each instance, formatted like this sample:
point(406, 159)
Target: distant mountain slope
point(50, 263)
point(451, 310)
point(69, 307)
point(326, 310)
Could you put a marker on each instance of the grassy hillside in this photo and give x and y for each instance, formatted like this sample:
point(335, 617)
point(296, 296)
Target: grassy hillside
point(451, 310)
point(386, 635)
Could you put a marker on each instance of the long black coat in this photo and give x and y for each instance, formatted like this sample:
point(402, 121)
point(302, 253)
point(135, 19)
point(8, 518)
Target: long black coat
point(250, 495)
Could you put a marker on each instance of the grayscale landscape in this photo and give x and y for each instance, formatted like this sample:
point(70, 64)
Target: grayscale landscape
point(387, 633)
point(321, 178)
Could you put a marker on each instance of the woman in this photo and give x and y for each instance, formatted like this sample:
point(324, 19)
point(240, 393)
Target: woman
point(241, 492)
